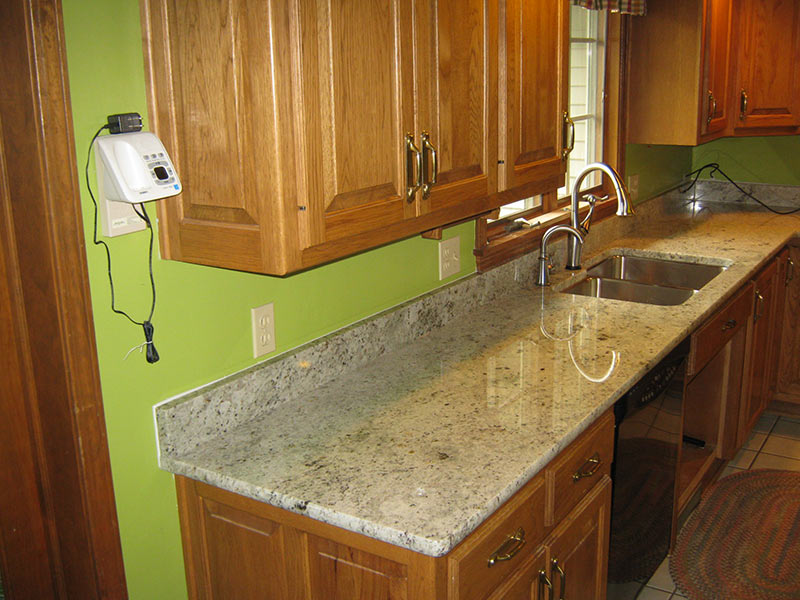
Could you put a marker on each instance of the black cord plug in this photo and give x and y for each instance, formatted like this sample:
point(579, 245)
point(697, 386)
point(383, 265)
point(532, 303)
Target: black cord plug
point(152, 353)
point(124, 122)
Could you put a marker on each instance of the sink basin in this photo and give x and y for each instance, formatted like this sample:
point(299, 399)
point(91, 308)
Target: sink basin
point(654, 271)
point(618, 289)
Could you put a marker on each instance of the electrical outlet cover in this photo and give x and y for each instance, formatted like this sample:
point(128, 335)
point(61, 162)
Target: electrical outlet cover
point(449, 257)
point(263, 319)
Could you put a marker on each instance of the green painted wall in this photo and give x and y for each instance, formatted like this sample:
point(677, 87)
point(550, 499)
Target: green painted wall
point(202, 318)
point(660, 168)
point(773, 159)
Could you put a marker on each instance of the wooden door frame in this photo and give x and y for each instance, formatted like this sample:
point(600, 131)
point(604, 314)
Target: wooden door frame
point(58, 521)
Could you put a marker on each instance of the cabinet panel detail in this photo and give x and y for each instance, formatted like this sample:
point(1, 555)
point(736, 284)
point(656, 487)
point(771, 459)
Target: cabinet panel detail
point(339, 572)
point(534, 64)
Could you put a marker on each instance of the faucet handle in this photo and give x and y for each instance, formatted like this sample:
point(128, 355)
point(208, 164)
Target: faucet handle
point(592, 199)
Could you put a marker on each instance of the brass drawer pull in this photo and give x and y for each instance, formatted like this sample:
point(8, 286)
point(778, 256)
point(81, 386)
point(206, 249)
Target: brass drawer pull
point(545, 582)
point(759, 306)
point(413, 157)
point(789, 270)
point(729, 324)
point(712, 107)
point(428, 178)
point(557, 568)
point(569, 133)
point(509, 548)
point(743, 105)
point(588, 469)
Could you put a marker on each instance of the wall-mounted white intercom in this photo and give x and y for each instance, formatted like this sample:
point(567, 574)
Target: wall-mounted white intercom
point(131, 168)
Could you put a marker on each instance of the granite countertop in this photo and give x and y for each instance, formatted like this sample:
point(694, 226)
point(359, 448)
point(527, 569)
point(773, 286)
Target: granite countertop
point(421, 444)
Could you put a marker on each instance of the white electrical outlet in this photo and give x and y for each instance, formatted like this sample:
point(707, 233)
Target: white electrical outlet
point(449, 257)
point(633, 187)
point(263, 318)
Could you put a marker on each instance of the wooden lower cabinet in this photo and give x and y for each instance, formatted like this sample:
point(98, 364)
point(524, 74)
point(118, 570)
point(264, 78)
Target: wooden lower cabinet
point(573, 560)
point(763, 352)
point(236, 547)
point(712, 396)
point(578, 549)
point(788, 375)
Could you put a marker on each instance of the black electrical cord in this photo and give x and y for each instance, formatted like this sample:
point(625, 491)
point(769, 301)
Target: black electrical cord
point(715, 168)
point(152, 353)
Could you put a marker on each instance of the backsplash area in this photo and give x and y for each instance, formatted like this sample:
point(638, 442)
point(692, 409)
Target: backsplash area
point(188, 420)
point(780, 197)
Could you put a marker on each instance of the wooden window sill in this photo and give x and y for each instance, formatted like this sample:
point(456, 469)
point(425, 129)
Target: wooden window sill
point(495, 246)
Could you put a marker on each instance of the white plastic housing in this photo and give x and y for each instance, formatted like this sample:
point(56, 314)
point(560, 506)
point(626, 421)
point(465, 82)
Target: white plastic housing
point(134, 167)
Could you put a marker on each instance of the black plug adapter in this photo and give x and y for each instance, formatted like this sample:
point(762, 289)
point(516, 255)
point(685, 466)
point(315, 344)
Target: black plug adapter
point(124, 122)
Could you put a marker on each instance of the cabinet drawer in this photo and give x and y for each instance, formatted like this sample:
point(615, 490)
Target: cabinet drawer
point(570, 476)
point(711, 337)
point(470, 575)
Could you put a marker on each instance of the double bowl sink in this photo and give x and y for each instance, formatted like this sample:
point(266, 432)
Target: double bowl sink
point(645, 279)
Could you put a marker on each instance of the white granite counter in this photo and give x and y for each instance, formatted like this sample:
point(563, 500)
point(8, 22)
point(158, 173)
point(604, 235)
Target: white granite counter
point(420, 444)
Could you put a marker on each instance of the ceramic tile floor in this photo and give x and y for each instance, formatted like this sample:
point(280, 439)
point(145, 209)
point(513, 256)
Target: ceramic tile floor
point(774, 444)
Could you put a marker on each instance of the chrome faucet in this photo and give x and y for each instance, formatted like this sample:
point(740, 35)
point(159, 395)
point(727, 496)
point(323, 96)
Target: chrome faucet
point(575, 236)
point(624, 209)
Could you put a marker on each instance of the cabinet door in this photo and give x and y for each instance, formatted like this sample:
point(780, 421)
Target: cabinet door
point(578, 557)
point(789, 360)
point(768, 84)
point(530, 582)
point(232, 553)
point(338, 572)
point(715, 91)
point(762, 350)
point(533, 94)
point(457, 66)
point(780, 291)
point(220, 97)
point(356, 106)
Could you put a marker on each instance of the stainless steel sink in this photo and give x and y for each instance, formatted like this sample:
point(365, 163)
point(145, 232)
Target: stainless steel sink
point(644, 279)
point(654, 271)
point(617, 289)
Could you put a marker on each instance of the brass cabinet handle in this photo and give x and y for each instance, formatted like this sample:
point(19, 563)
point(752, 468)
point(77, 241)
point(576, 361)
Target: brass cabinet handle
point(789, 270)
point(545, 582)
point(588, 469)
point(742, 105)
point(712, 107)
point(557, 567)
point(509, 548)
point(413, 155)
point(569, 124)
point(729, 324)
point(430, 181)
point(759, 306)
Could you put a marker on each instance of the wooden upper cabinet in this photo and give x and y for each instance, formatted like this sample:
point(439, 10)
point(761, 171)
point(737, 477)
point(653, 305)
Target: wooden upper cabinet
point(356, 105)
point(680, 90)
point(767, 87)
point(715, 84)
point(288, 123)
point(221, 98)
point(457, 66)
point(534, 69)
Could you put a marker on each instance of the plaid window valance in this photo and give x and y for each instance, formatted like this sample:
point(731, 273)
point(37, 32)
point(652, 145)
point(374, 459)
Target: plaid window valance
point(626, 7)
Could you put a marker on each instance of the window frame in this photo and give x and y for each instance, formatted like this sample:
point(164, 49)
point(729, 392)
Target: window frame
point(500, 241)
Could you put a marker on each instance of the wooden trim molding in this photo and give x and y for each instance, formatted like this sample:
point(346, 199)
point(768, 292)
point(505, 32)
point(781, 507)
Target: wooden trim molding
point(493, 247)
point(73, 540)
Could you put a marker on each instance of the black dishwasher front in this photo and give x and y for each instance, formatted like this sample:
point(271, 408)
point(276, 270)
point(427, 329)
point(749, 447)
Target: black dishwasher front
point(647, 437)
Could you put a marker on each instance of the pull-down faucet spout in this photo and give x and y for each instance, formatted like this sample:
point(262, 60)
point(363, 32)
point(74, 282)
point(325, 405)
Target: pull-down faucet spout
point(624, 209)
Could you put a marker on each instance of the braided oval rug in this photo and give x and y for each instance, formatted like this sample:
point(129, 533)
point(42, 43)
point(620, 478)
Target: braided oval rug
point(743, 540)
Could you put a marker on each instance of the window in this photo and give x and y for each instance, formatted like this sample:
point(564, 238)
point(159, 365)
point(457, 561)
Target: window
point(517, 226)
point(586, 85)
